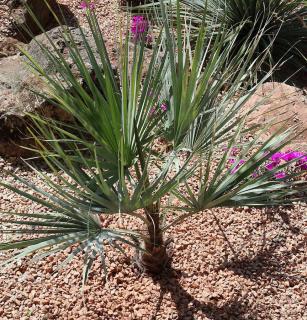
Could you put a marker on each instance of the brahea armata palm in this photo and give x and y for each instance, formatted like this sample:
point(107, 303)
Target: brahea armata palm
point(161, 140)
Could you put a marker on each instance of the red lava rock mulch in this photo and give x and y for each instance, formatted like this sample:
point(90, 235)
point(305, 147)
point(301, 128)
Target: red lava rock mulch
point(265, 280)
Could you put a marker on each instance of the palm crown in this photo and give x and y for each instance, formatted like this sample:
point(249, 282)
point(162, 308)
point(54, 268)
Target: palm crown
point(108, 162)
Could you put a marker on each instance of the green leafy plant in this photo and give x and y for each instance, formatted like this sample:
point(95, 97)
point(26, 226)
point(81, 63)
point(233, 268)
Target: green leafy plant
point(131, 2)
point(108, 164)
point(282, 23)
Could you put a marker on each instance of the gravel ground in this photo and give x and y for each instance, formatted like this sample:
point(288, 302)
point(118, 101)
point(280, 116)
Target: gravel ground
point(265, 278)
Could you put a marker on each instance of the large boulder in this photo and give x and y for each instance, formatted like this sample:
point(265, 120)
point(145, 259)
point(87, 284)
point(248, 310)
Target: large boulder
point(58, 43)
point(283, 106)
point(17, 97)
point(16, 82)
point(16, 100)
point(22, 17)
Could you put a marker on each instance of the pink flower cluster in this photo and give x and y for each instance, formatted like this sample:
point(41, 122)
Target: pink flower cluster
point(87, 5)
point(275, 160)
point(279, 157)
point(139, 27)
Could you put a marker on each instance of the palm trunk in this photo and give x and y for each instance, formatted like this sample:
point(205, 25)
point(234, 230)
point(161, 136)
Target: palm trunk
point(155, 258)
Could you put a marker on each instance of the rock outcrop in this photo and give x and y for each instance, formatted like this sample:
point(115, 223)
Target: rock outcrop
point(23, 20)
point(56, 36)
point(17, 82)
point(283, 105)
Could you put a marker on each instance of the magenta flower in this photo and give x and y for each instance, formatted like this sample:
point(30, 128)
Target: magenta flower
point(255, 175)
point(163, 107)
point(275, 160)
point(272, 165)
point(87, 5)
point(277, 157)
point(290, 155)
point(302, 163)
point(237, 167)
point(280, 175)
point(139, 26)
point(231, 160)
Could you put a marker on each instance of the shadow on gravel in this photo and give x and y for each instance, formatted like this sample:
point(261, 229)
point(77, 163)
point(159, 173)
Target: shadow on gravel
point(267, 264)
point(187, 305)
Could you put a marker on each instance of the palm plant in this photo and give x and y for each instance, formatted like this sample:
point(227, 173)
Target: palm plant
point(283, 22)
point(131, 2)
point(107, 163)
